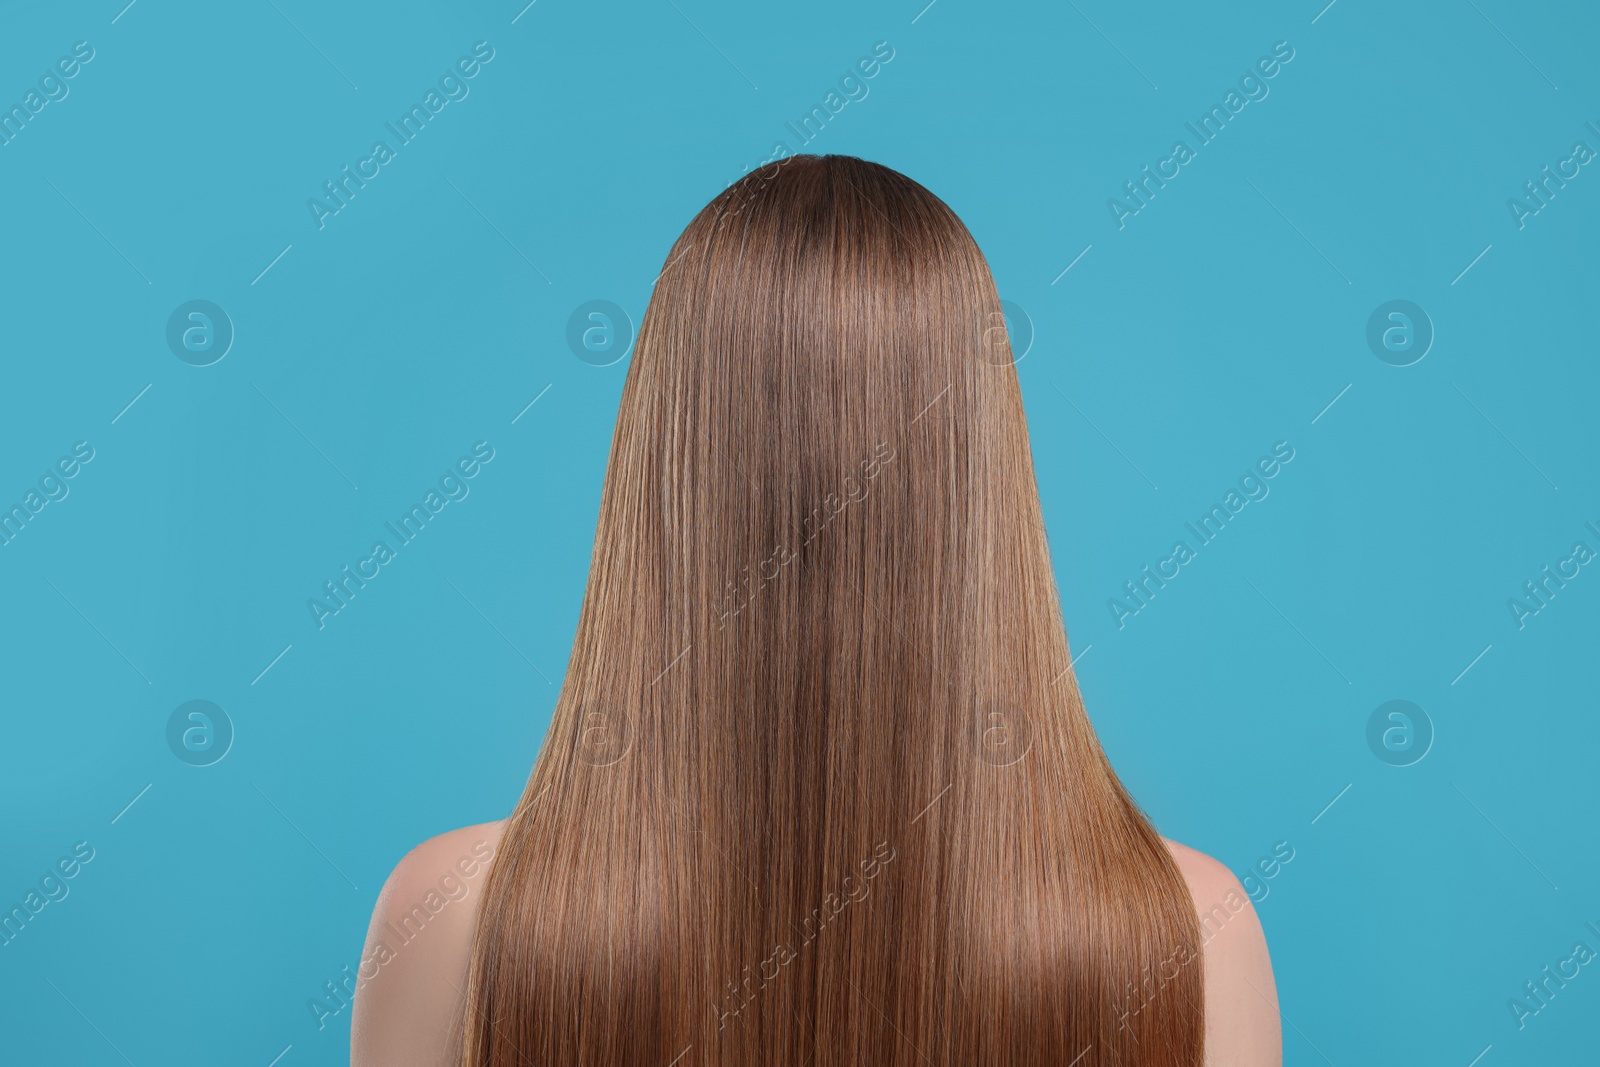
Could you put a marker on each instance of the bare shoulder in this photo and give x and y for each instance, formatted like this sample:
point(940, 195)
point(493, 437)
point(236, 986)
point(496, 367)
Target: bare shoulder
point(1242, 1027)
point(410, 985)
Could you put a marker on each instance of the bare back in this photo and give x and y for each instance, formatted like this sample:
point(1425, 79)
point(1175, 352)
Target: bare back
point(411, 994)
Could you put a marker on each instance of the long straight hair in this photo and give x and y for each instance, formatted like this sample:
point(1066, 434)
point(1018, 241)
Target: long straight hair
point(819, 788)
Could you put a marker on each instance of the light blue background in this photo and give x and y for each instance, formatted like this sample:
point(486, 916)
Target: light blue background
point(426, 315)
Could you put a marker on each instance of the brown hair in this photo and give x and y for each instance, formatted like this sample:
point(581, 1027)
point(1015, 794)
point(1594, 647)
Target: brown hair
point(819, 788)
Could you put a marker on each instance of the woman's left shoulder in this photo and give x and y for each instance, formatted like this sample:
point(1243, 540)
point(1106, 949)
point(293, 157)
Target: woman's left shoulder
point(410, 986)
point(458, 855)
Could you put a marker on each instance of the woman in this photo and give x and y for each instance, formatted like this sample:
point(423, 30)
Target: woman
point(819, 787)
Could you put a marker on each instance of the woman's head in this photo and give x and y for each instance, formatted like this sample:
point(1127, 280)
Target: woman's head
point(819, 787)
point(817, 318)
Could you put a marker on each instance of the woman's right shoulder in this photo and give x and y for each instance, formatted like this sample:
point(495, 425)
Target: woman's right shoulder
point(1242, 1027)
point(411, 983)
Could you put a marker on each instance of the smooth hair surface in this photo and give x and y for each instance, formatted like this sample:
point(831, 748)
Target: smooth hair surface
point(819, 788)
